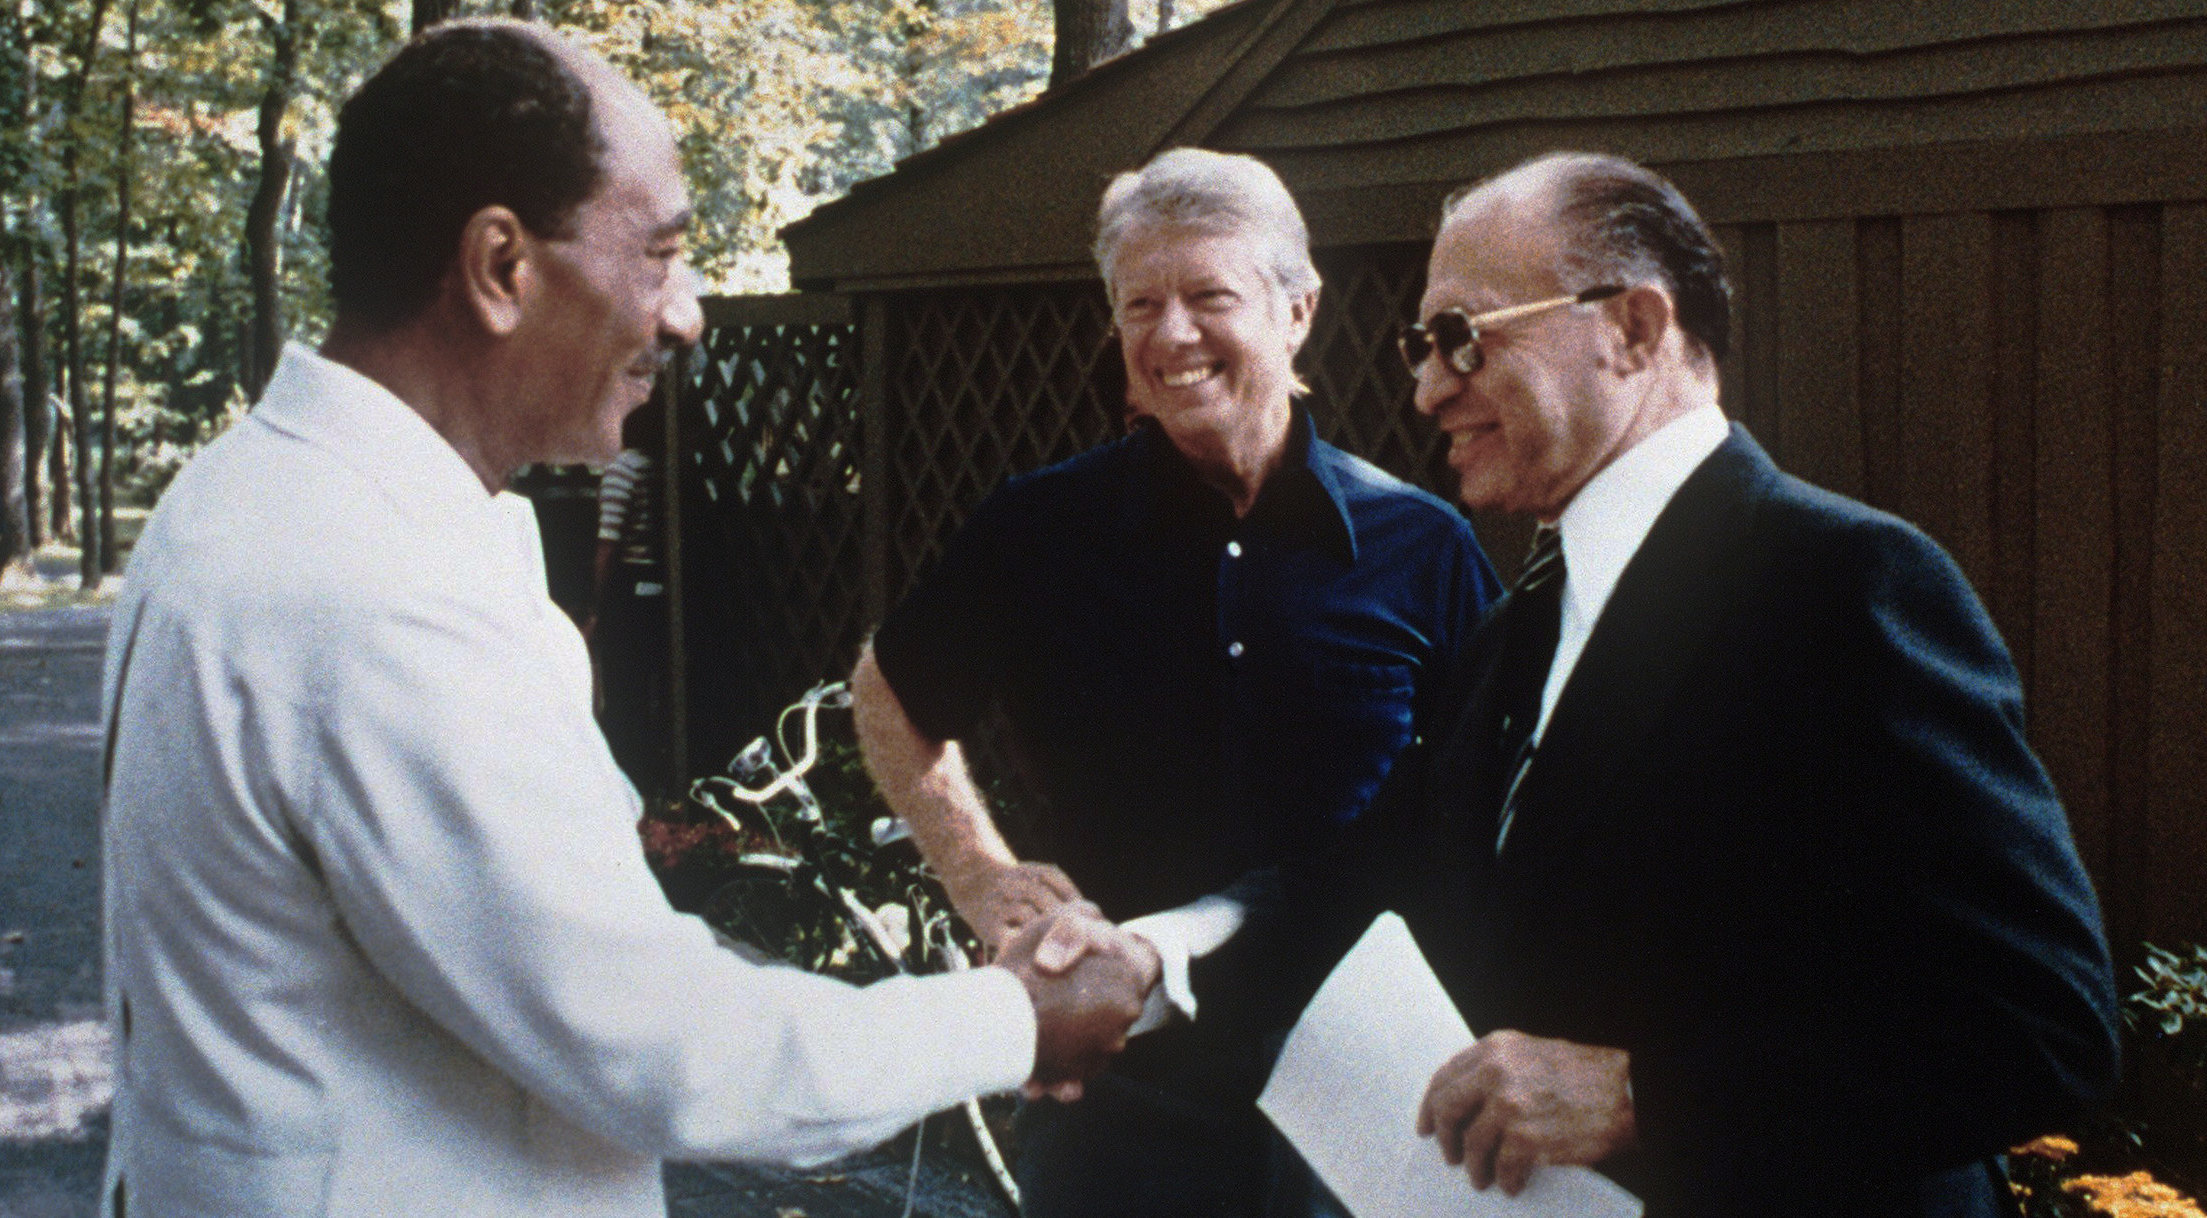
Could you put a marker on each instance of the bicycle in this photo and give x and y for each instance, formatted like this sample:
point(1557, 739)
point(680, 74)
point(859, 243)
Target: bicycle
point(784, 899)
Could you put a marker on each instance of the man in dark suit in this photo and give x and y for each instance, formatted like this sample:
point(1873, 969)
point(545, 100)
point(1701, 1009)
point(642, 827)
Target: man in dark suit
point(1736, 857)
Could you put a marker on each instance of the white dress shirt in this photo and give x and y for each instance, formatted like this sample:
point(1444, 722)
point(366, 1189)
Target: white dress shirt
point(1606, 521)
point(380, 935)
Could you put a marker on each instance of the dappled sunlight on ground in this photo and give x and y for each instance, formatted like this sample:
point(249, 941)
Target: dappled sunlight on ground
point(21, 590)
point(53, 581)
point(54, 1078)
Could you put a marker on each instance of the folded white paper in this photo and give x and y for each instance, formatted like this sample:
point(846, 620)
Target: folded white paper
point(1348, 1083)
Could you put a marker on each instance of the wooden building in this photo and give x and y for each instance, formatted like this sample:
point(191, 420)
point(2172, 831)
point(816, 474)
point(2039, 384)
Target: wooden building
point(1969, 242)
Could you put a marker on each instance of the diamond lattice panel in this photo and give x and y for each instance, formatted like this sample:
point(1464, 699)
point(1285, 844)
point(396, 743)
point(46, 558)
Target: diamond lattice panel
point(1360, 389)
point(983, 385)
point(771, 428)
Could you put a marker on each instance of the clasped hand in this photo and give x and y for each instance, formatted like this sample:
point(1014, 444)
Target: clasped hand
point(1087, 979)
point(997, 898)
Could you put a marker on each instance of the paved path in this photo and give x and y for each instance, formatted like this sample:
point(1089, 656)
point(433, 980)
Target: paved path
point(54, 1082)
point(54, 1077)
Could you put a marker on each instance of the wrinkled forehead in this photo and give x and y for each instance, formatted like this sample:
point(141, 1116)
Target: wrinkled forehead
point(1169, 236)
point(1176, 250)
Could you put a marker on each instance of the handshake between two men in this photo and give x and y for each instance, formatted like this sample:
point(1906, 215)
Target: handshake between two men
point(1088, 980)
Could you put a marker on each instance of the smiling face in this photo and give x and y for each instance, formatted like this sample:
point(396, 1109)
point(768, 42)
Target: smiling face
point(1208, 335)
point(1545, 412)
point(616, 295)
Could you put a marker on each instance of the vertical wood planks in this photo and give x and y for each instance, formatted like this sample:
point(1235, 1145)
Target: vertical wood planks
point(1944, 456)
point(1878, 343)
point(2134, 321)
point(2072, 641)
point(2172, 863)
point(1753, 254)
point(1819, 431)
point(2010, 591)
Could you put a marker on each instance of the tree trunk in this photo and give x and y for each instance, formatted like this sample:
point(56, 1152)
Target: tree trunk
point(523, 10)
point(80, 412)
point(59, 510)
point(15, 525)
point(72, 354)
point(72, 337)
point(17, 507)
point(1088, 32)
point(127, 114)
point(38, 414)
point(261, 240)
point(429, 12)
point(919, 21)
point(1164, 15)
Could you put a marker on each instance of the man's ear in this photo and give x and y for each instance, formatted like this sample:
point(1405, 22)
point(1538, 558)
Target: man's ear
point(1301, 311)
point(1644, 316)
point(496, 269)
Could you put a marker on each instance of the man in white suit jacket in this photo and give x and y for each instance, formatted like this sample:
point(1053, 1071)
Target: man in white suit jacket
point(380, 935)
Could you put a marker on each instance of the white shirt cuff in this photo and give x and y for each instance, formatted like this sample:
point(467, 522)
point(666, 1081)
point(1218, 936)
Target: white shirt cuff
point(1191, 931)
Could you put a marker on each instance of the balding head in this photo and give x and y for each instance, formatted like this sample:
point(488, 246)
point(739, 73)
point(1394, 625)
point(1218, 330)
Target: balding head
point(1619, 222)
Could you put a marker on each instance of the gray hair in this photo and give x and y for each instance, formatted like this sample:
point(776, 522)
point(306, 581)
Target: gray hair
point(1209, 192)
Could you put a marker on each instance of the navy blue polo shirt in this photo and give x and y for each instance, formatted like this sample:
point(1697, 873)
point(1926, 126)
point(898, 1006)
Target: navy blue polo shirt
point(1195, 694)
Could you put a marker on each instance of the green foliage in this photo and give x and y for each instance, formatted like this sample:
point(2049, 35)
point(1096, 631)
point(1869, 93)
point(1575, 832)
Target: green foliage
point(779, 106)
point(2174, 1003)
point(782, 104)
point(2136, 1160)
point(2165, 1063)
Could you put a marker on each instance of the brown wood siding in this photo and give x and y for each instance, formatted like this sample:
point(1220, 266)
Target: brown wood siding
point(2027, 386)
point(1331, 155)
point(2171, 877)
point(1861, 24)
point(1829, 39)
point(1729, 60)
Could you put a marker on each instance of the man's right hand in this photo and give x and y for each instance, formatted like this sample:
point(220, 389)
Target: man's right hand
point(1082, 1013)
point(999, 899)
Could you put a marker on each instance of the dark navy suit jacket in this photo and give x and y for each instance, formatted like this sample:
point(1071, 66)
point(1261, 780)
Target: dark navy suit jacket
point(1784, 842)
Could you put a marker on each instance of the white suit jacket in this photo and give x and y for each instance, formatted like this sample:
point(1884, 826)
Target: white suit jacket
point(380, 936)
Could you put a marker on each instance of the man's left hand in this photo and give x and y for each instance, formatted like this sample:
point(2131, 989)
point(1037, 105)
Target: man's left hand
point(1513, 1102)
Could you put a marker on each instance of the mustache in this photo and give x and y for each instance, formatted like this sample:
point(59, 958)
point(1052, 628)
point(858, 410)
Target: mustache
point(687, 361)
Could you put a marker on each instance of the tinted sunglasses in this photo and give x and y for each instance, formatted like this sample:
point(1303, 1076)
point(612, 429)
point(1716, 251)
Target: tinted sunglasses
point(1454, 334)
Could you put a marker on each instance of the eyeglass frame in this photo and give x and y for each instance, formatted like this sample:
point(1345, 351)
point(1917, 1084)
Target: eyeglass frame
point(1466, 357)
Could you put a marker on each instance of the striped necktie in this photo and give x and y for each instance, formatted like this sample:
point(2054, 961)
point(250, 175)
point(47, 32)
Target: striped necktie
point(1535, 620)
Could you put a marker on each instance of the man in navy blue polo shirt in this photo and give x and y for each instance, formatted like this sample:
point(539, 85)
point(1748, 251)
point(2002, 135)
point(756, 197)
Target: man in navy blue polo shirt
point(1212, 639)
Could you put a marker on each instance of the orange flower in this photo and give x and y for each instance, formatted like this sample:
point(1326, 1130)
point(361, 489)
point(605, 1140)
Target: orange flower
point(2137, 1195)
point(2053, 1148)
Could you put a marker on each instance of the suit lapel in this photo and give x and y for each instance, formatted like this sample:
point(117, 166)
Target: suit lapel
point(1670, 604)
